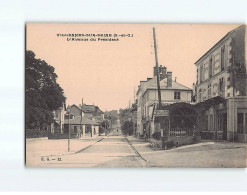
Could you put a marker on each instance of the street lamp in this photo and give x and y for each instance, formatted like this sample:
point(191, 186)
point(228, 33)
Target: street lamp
point(68, 110)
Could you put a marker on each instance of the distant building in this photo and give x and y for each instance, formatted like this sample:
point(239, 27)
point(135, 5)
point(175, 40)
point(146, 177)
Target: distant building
point(82, 121)
point(221, 71)
point(58, 125)
point(90, 128)
point(92, 111)
point(147, 98)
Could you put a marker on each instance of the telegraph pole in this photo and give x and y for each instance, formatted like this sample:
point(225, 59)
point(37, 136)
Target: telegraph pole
point(134, 94)
point(81, 117)
point(157, 69)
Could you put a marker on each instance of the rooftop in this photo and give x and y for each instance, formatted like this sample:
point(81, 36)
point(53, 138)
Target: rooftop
point(228, 34)
point(77, 120)
point(163, 85)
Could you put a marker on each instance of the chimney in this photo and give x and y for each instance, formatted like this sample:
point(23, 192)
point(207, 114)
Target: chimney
point(155, 71)
point(162, 71)
point(169, 79)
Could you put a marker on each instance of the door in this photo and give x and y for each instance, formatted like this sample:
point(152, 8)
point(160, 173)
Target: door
point(224, 126)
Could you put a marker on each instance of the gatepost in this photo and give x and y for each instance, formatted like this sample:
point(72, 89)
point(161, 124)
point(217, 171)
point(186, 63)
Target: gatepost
point(163, 118)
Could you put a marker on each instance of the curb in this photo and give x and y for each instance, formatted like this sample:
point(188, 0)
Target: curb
point(88, 146)
point(133, 148)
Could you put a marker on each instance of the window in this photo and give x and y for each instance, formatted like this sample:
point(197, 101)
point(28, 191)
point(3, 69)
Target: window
point(222, 58)
point(88, 129)
point(210, 66)
point(209, 91)
point(211, 122)
point(201, 73)
point(221, 87)
point(206, 123)
point(240, 123)
point(221, 84)
point(176, 95)
point(67, 116)
point(228, 82)
point(200, 95)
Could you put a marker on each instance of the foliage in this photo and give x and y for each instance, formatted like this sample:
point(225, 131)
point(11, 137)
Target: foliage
point(157, 135)
point(203, 106)
point(181, 115)
point(207, 135)
point(125, 115)
point(43, 94)
point(112, 116)
point(169, 144)
point(127, 128)
point(106, 124)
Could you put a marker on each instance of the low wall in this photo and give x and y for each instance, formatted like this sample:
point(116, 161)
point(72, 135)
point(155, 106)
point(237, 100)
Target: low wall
point(177, 140)
point(242, 138)
point(61, 136)
point(185, 140)
point(237, 137)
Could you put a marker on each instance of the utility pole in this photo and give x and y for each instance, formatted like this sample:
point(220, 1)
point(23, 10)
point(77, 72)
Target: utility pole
point(68, 110)
point(233, 95)
point(157, 69)
point(134, 94)
point(81, 117)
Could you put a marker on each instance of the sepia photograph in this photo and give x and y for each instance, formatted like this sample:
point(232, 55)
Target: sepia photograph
point(135, 95)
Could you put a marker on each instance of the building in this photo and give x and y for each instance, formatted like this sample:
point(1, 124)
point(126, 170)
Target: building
point(58, 125)
point(134, 117)
point(90, 128)
point(92, 111)
point(147, 98)
point(83, 121)
point(221, 71)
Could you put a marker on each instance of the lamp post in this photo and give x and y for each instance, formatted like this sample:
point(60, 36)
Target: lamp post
point(68, 110)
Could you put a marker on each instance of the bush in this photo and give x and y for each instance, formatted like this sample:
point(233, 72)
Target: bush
point(127, 128)
point(157, 135)
point(207, 135)
point(169, 144)
point(194, 139)
point(36, 133)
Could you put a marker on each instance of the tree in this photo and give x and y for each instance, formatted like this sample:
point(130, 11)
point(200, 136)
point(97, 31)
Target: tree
point(127, 128)
point(112, 116)
point(43, 94)
point(105, 125)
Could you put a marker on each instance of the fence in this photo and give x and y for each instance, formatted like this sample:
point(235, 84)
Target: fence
point(183, 132)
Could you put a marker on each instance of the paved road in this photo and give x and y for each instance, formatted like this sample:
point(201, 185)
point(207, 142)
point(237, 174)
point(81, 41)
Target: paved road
point(112, 151)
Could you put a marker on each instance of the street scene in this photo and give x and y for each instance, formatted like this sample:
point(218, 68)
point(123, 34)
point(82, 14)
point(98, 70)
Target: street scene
point(136, 96)
point(117, 151)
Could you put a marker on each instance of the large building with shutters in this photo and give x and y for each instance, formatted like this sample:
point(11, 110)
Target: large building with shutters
point(221, 71)
point(147, 98)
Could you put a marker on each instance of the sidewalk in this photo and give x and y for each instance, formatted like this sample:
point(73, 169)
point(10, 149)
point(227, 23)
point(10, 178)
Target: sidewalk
point(44, 147)
point(204, 154)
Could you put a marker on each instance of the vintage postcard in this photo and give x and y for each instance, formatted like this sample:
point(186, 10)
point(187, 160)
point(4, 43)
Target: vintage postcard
point(136, 95)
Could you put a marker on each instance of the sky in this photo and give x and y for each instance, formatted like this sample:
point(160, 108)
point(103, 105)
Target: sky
point(106, 73)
